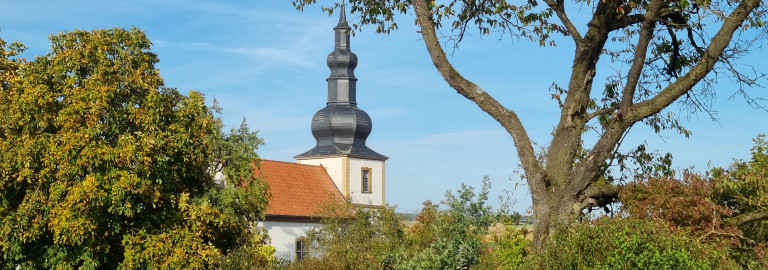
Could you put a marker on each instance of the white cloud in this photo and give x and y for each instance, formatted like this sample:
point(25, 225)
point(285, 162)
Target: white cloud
point(455, 138)
point(274, 54)
point(271, 54)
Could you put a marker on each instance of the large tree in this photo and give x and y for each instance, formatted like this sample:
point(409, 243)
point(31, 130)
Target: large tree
point(101, 166)
point(673, 50)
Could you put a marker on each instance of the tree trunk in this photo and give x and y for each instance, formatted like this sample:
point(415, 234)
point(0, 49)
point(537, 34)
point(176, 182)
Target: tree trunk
point(552, 212)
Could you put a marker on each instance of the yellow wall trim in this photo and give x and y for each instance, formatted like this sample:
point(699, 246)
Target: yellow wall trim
point(345, 176)
point(383, 187)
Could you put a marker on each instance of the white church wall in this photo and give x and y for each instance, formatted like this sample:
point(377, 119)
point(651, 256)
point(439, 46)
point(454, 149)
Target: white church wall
point(377, 181)
point(283, 236)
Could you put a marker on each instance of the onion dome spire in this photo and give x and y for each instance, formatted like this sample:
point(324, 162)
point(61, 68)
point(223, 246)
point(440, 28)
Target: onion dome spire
point(342, 84)
point(341, 128)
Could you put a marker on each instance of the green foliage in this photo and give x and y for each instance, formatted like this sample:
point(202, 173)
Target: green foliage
point(744, 188)
point(9, 64)
point(526, 20)
point(252, 252)
point(235, 153)
point(353, 237)
point(685, 203)
point(357, 237)
point(637, 163)
point(728, 206)
point(450, 238)
point(508, 250)
point(669, 224)
point(104, 167)
point(628, 243)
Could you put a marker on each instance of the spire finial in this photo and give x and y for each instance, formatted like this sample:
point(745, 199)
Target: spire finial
point(342, 18)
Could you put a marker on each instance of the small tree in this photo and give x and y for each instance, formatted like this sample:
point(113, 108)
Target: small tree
point(450, 238)
point(101, 166)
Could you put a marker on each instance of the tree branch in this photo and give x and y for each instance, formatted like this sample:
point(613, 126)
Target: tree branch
point(747, 218)
point(600, 111)
point(628, 20)
point(566, 139)
point(641, 50)
point(707, 62)
point(675, 57)
point(507, 118)
point(601, 191)
point(608, 142)
point(600, 195)
point(559, 8)
point(639, 111)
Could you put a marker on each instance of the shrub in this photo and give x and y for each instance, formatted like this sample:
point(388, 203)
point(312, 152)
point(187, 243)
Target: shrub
point(628, 243)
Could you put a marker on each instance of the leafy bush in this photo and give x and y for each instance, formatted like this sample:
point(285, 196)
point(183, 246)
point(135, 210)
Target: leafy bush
point(744, 188)
point(508, 250)
point(353, 237)
point(687, 203)
point(450, 238)
point(628, 243)
point(729, 206)
point(359, 237)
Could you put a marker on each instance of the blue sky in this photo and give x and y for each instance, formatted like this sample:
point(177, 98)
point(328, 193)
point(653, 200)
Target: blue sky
point(265, 61)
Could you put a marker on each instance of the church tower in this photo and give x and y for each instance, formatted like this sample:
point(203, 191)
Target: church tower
point(341, 129)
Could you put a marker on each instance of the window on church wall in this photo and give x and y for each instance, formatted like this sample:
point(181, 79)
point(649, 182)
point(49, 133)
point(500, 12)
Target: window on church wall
point(301, 249)
point(366, 180)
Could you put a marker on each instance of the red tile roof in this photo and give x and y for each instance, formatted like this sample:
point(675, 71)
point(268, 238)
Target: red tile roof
point(297, 189)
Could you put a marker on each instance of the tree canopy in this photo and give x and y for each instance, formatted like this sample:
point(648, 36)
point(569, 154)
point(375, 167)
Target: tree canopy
point(668, 52)
point(102, 166)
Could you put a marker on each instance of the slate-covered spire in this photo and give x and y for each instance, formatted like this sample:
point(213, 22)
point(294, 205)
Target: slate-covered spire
point(341, 128)
point(342, 84)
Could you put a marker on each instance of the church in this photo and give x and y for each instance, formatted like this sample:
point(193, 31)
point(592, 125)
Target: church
point(339, 166)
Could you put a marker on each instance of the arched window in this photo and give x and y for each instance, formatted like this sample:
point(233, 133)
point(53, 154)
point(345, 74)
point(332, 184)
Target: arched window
point(366, 180)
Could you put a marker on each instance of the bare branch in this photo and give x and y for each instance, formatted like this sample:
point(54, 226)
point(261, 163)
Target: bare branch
point(641, 50)
point(507, 118)
point(597, 196)
point(693, 40)
point(628, 20)
point(600, 112)
point(748, 217)
point(602, 190)
point(673, 59)
point(604, 147)
point(672, 92)
point(559, 8)
point(710, 57)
